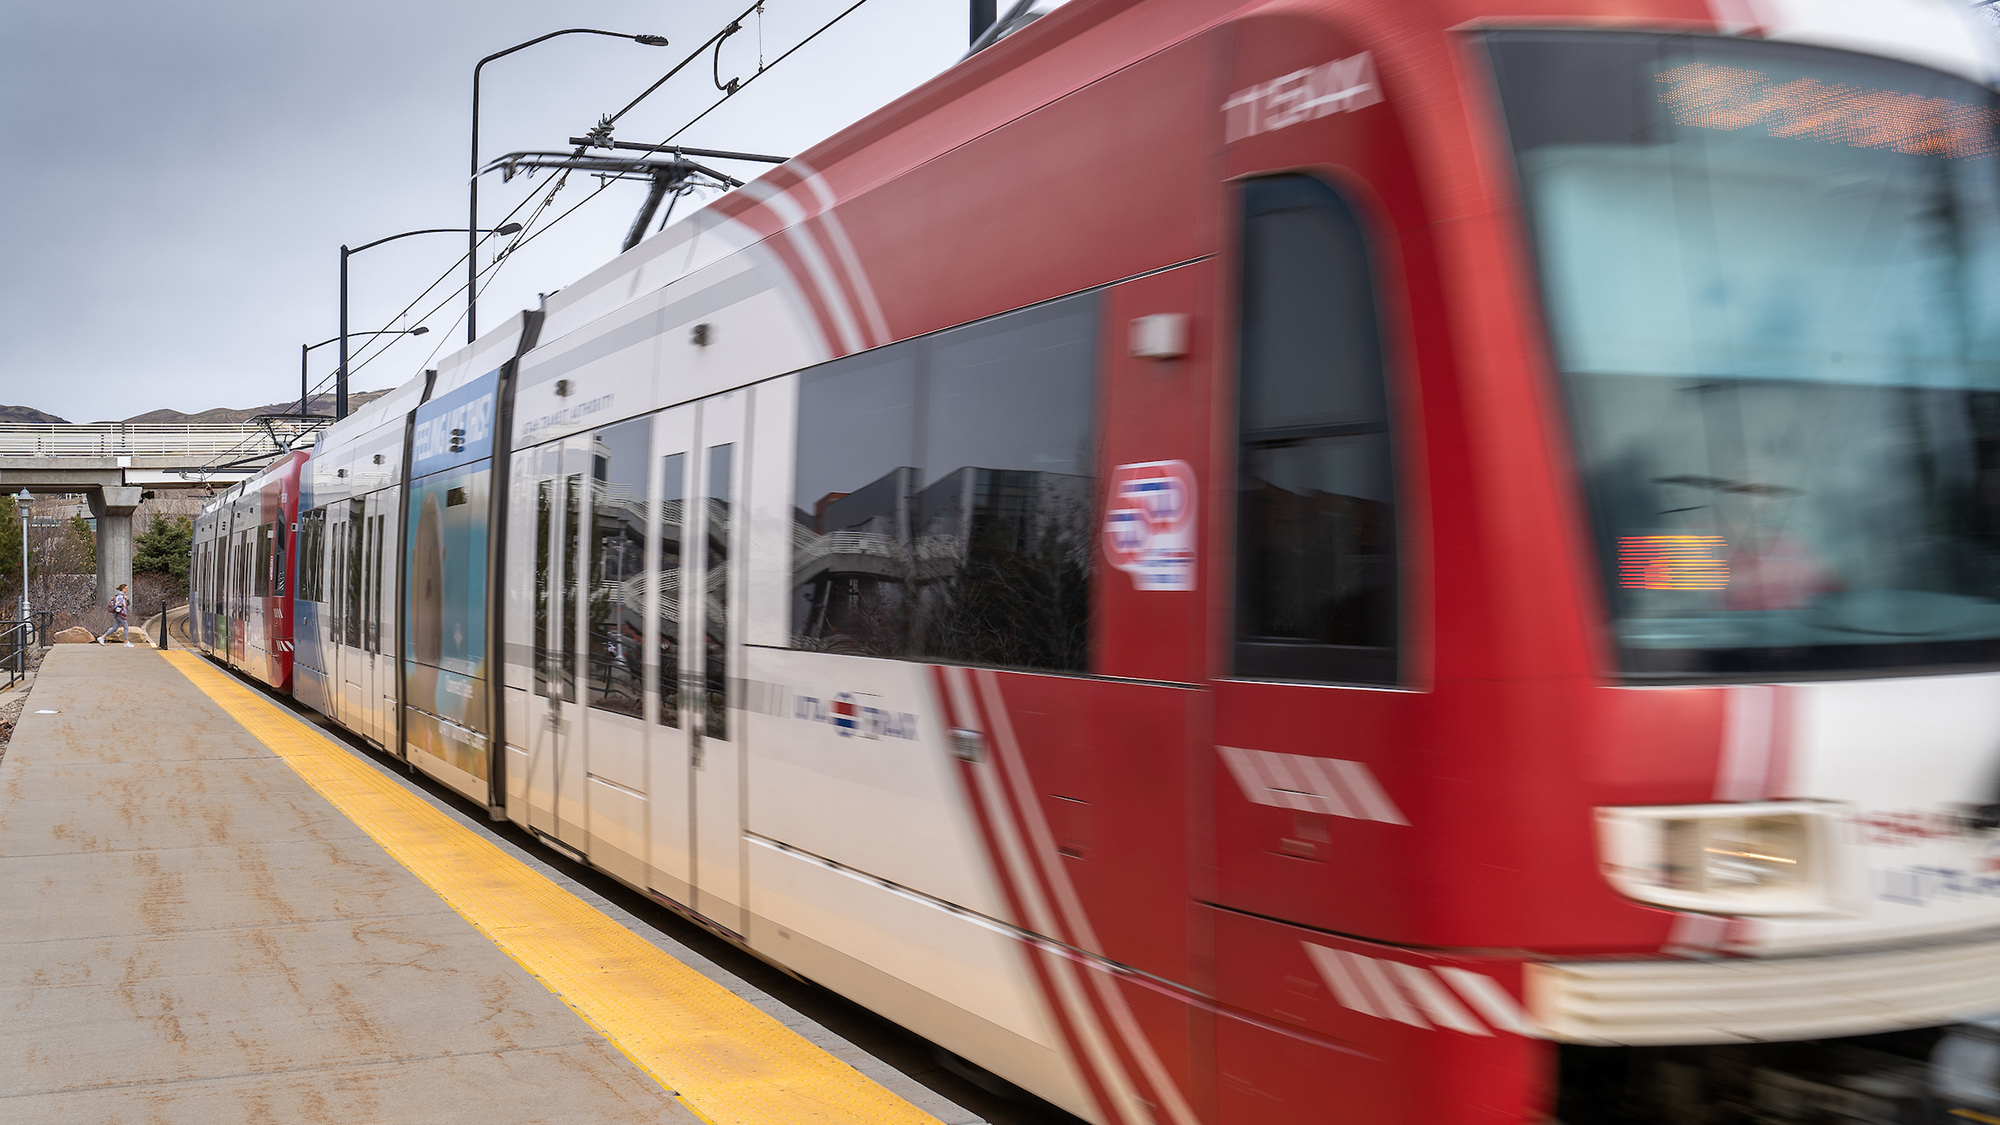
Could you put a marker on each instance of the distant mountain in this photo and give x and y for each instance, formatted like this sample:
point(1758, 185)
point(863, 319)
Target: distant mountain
point(318, 404)
point(27, 414)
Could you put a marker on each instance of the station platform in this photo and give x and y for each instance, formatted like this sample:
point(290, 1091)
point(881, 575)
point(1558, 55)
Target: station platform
point(211, 911)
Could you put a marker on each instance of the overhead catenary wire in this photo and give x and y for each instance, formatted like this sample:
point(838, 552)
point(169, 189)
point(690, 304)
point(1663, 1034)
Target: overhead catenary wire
point(246, 446)
point(761, 71)
point(357, 361)
point(529, 232)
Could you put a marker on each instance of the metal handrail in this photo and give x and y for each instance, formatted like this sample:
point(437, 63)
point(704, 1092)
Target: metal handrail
point(16, 637)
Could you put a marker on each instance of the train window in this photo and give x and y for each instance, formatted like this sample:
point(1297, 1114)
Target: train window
point(354, 548)
point(381, 528)
point(857, 439)
point(944, 495)
point(715, 596)
point(365, 538)
point(261, 576)
point(544, 658)
point(302, 588)
point(369, 541)
point(673, 475)
point(337, 563)
point(312, 556)
point(1001, 521)
point(1316, 533)
point(572, 541)
point(620, 458)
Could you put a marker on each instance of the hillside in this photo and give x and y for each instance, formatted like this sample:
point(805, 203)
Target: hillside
point(320, 404)
point(27, 414)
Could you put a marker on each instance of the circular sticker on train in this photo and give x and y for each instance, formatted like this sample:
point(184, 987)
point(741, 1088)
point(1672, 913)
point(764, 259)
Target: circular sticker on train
point(1149, 524)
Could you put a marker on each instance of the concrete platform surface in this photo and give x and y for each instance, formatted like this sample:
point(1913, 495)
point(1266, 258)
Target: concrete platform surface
point(189, 932)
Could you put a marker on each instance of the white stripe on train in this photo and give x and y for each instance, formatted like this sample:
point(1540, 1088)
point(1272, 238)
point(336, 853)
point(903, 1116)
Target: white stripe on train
point(1413, 994)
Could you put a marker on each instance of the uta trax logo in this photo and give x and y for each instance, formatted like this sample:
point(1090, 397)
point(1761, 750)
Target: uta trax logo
point(1149, 524)
point(855, 715)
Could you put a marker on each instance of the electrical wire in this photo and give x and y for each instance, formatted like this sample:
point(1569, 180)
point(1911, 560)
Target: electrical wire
point(359, 360)
point(524, 237)
point(728, 29)
point(363, 356)
point(762, 70)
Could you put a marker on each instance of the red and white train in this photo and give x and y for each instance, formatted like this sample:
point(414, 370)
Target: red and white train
point(1294, 561)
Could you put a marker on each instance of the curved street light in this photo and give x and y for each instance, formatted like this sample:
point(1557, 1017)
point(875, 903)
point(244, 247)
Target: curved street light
point(346, 252)
point(472, 213)
point(304, 394)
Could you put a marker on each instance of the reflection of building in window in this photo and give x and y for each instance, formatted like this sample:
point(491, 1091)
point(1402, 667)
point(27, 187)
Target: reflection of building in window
point(849, 566)
point(672, 510)
point(617, 602)
point(943, 489)
point(617, 622)
point(988, 566)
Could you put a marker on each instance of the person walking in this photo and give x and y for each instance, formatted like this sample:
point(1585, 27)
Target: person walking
point(121, 609)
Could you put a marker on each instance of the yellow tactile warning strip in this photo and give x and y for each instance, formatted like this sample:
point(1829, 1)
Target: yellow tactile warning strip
point(728, 1062)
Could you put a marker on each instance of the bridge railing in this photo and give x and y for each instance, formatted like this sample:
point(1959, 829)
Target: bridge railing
point(107, 439)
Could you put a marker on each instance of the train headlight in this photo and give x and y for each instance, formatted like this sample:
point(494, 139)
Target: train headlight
point(1771, 858)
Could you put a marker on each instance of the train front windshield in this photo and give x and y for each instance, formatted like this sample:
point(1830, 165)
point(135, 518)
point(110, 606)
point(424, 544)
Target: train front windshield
point(1771, 274)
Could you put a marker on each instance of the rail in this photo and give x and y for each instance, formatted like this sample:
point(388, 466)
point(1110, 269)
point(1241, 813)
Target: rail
point(109, 439)
point(17, 638)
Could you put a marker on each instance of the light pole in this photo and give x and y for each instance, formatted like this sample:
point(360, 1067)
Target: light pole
point(340, 374)
point(21, 502)
point(472, 213)
point(304, 394)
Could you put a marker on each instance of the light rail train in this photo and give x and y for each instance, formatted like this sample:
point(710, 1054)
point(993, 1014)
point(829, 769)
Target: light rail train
point(1320, 560)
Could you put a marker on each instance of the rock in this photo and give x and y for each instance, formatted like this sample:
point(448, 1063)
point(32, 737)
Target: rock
point(74, 635)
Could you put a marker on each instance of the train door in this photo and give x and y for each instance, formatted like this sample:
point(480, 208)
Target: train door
point(710, 662)
point(556, 796)
point(348, 646)
point(333, 590)
point(613, 607)
point(239, 587)
point(675, 675)
point(1319, 723)
point(362, 681)
point(383, 621)
point(377, 695)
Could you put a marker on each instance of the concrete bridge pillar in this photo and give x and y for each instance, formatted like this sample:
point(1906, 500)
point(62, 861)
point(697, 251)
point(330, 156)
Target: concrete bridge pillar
point(113, 506)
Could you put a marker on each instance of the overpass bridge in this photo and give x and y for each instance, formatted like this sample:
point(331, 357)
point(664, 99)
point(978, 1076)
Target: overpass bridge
point(114, 464)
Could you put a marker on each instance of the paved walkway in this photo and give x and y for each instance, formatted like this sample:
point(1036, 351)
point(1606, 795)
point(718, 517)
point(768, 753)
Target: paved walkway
point(193, 930)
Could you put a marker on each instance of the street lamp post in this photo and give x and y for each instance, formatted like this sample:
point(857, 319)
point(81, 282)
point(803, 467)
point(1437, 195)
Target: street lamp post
point(340, 374)
point(472, 213)
point(304, 393)
point(21, 502)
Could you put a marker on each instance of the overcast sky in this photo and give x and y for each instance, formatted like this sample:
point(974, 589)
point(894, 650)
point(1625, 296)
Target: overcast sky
point(182, 175)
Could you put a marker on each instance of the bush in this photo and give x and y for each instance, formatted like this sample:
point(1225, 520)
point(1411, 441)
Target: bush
point(163, 549)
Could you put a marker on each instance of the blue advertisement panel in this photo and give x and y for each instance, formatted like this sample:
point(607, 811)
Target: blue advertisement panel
point(455, 428)
point(446, 542)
